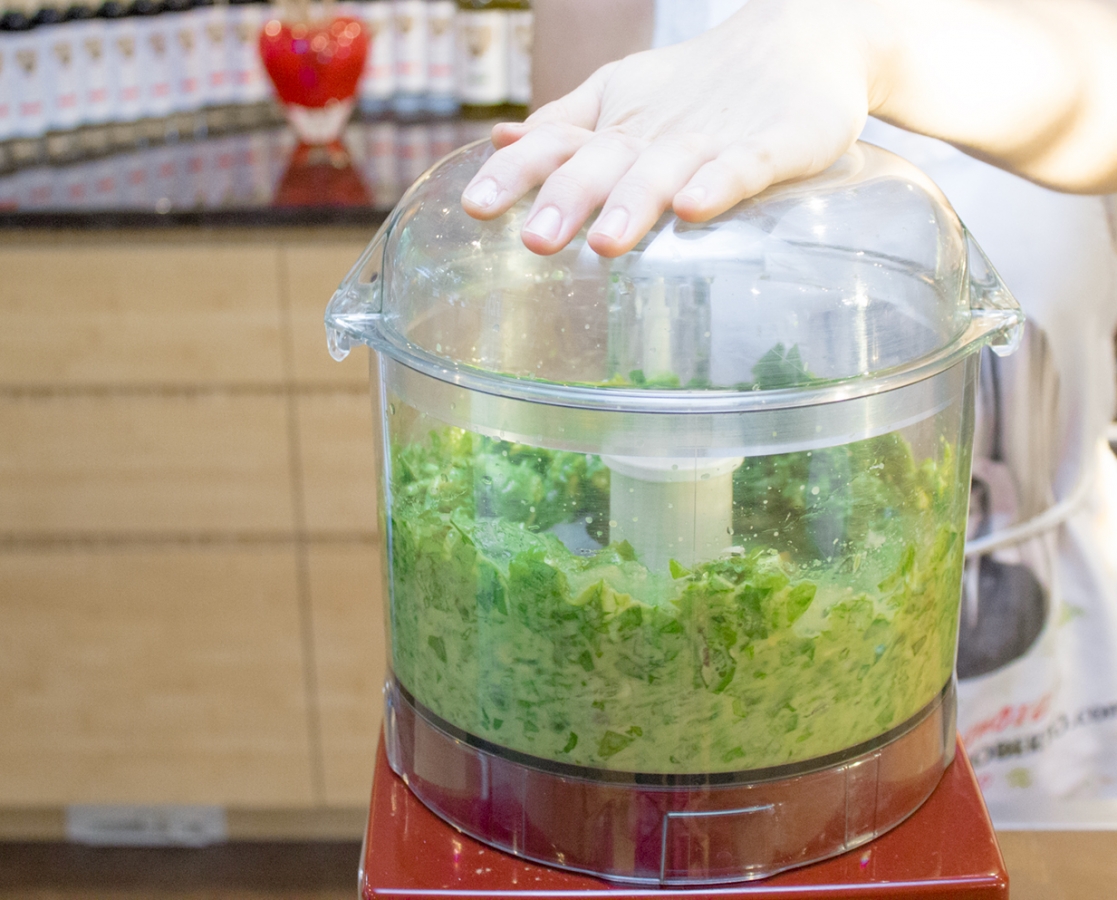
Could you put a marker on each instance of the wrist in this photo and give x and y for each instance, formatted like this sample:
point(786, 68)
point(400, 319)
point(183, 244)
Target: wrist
point(877, 25)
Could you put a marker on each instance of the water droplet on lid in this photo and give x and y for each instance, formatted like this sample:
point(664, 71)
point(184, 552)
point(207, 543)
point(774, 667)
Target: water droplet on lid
point(589, 520)
point(612, 523)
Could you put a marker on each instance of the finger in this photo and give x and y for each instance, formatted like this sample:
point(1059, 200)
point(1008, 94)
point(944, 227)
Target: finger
point(505, 133)
point(578, 187)
point(510, 173)
point(738, 172)
point(581, 107)
point(647, 189)
point(743, 170)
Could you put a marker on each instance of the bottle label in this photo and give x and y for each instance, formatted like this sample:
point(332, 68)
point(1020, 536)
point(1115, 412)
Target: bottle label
point(153, 50)
point(482, 57)
point(411, 45)
point(521, 28)
point(27, 82)
point(378, 80)
point(218, 87)
point(91, 48)
point(124, 66)
point(440, 47)
point(57, 51)
point(246, 70)
point(187, 60)
point(6, 96)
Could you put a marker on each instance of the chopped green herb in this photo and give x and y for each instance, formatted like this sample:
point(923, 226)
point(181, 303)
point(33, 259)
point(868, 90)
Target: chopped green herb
point(832, 619)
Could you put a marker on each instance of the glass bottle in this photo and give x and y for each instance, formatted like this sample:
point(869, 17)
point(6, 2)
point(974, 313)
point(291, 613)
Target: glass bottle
point(410, 21)
point(7, 88)
point(218, 89)
point(442, 97)
point(250, 83)
point(59, 79)
point(121, 59)
point(153, 64)
point(188, 63)
point(90, 70)
point(482, 57)
point(378, 80)
point(28, 95)
point(521, 34)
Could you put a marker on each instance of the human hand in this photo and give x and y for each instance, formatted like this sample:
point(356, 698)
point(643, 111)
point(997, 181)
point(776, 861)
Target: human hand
point(778, 91)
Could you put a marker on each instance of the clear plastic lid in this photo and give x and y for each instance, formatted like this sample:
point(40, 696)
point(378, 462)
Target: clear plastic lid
point(854, 281)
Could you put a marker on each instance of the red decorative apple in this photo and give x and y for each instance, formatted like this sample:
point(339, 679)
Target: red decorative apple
point(315, 66)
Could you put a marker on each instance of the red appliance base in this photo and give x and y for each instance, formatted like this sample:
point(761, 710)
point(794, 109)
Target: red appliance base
point(947, 849)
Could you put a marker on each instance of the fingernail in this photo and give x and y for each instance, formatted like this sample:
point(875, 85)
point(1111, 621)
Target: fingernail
point(696, 195)
point(483, 193)
point(546, 223)
point(613, 224)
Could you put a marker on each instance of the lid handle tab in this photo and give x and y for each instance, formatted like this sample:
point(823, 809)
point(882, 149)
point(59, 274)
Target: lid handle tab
point(356, 304)
point(992, 307)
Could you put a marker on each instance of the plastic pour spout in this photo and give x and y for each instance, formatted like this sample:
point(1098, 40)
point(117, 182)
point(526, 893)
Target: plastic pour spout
point(672, 508)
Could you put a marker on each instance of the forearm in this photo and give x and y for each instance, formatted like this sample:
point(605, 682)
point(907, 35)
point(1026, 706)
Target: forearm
point(575, 37)
point(1029, 85)
point(782, 88)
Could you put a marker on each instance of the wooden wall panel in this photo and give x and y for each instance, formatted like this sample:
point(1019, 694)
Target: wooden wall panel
point(349, 651)
point(339, 472)
point(122, 463)
point(177, 453)
point(152, 675)
point(126, 313)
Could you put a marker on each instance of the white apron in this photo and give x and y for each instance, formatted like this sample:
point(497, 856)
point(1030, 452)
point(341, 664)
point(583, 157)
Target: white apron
point(1038, 696)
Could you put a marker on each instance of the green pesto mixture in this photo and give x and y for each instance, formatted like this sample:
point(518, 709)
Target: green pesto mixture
point(833, 621)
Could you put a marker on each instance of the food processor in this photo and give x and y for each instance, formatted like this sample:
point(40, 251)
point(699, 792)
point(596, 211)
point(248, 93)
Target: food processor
point(673, 542)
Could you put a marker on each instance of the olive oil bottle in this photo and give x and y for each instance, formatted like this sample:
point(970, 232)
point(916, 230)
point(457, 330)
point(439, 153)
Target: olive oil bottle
point(521, 37)
point(482, 56)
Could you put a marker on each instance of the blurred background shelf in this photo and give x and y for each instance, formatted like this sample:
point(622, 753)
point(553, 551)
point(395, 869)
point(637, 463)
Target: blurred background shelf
point(250, 176)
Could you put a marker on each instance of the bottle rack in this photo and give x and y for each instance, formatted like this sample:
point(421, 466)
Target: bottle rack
point(84, 80)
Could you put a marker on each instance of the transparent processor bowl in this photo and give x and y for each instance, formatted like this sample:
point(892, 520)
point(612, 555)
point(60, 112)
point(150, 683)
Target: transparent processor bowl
point(673, 543)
